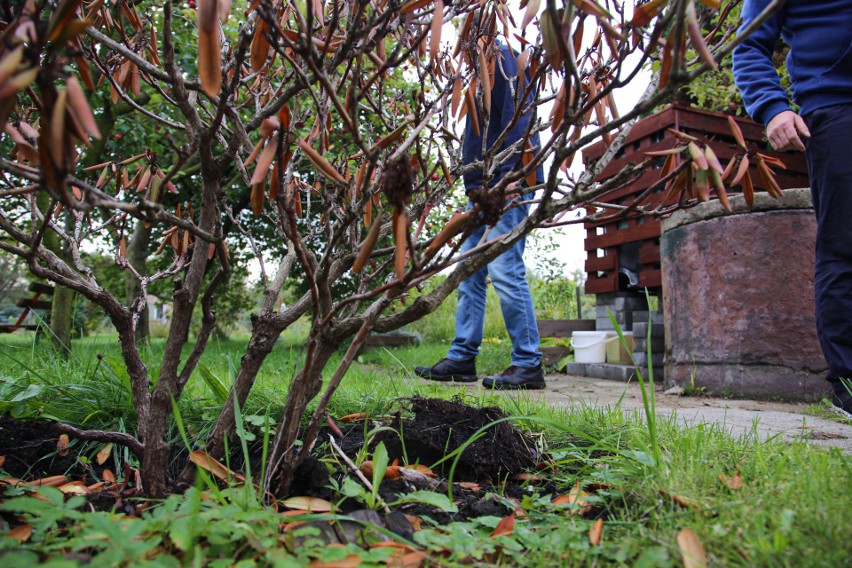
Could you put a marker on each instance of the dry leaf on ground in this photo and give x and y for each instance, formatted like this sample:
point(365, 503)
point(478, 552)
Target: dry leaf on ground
point(691, 549)
point(595, 532)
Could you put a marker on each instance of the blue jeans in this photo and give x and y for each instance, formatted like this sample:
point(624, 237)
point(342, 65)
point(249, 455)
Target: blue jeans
point(830, 171)
point(508, 275)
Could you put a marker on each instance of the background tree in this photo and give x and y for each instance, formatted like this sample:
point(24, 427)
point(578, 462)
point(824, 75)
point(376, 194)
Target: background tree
point(298, 110)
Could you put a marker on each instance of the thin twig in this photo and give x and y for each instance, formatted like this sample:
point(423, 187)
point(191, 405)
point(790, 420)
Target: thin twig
point(355, 469)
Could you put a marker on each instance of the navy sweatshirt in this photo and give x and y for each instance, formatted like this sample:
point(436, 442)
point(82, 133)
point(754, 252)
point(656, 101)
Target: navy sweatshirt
point(819, 34)
point(502, 111)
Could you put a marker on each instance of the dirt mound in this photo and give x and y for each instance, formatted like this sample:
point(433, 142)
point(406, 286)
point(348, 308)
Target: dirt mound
point(30, 450)
point(439, 427)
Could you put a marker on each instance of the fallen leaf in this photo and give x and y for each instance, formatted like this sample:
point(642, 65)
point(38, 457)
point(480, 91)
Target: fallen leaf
point(2, 460)
point(505, 526)
point(51, 481)
point(682, 502)
point(356, 417)
point(575, 497)
point(527, 477)
point(312, 504)
point(214, 467)
point(103, 454)
point(469, 485)
point(691, 549)
point(62, 444)
point(74, 488)
point(334, 429)
point(402, 559)
point(108, 476)
point(595, 532)
point(415, 522)
point(731, 482)
point(21, 533)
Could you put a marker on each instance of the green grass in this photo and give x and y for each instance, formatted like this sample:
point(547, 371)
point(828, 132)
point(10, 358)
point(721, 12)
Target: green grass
point(792, 510)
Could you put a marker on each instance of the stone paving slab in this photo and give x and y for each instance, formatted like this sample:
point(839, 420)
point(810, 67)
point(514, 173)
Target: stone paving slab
point(787, 421)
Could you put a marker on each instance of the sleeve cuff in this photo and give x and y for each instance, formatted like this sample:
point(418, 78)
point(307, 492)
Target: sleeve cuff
point(772, 110)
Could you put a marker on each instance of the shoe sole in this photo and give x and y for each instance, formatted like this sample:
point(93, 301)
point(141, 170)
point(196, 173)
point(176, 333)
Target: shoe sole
point(451, 378)
point(508, 386)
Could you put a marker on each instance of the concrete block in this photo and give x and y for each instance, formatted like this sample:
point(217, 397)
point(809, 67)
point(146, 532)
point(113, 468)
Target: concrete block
point(621, 373)
point(641, 359)
point(603, 324)
point(644, 316)
point(658, 344)
point(640, 329)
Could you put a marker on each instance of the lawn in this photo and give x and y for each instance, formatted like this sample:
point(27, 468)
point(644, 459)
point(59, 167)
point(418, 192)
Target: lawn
point(750, 503)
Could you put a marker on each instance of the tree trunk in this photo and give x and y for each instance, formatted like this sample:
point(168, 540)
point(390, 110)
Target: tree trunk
point(284, 456)
point(137, 255)
point(61, 315)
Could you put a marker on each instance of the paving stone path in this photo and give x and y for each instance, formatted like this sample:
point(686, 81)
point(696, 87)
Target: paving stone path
point(787, 421)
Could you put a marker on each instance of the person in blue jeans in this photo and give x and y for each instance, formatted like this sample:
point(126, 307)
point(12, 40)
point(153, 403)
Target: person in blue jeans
point(819, 34)
point(507, 271)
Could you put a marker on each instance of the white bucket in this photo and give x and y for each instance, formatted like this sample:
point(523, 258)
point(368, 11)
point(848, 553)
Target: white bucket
point(589, 346)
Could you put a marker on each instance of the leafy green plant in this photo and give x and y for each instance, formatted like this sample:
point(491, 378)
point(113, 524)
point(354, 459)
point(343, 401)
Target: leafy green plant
point(648, 394)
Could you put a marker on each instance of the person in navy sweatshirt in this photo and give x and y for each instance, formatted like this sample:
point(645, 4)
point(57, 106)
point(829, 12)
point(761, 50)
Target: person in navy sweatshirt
point(507, 271)
point(819, 34)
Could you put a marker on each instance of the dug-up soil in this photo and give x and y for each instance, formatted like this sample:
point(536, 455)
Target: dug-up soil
point(423, 432)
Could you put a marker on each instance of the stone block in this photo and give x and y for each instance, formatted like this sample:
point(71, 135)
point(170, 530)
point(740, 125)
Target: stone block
point(640, 329)
point(658, 344)
point(621, 373)
point(644, 316)
point(640, 359)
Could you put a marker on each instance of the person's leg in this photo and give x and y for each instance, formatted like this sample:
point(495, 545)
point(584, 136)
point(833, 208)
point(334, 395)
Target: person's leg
point(830, 171)
point(460, 363)
point(470, 311)
point(508, 275)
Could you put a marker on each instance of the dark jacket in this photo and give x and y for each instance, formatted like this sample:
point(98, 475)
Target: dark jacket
point(819, 34)
point(502, 111)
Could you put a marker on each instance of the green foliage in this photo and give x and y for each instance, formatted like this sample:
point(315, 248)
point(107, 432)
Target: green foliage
point(788, 508)
point(716, 90)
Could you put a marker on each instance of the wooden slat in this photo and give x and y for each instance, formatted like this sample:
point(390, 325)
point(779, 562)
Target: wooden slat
point(650, 230)
point(564, 328)
point(40, 288)
point(595, 285)
point(649, 252)
point(34, 304)
point(596, 263)
point(650, 278)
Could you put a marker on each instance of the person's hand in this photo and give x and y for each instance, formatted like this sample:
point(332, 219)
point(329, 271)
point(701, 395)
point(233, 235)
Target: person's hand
point(784, 129)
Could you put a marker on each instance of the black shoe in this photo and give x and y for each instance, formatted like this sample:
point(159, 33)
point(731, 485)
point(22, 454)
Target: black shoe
point(516, 378)
point(842, 398)
point(449, 370)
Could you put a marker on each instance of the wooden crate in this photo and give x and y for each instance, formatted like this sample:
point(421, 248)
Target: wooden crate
point(605, 239)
